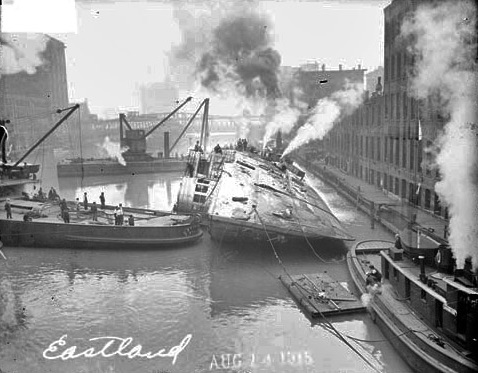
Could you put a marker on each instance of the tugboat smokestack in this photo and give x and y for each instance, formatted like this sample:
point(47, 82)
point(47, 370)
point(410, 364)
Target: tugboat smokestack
point(421, 258)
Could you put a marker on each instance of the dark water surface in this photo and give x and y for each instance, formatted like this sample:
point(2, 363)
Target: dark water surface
point(225, 296)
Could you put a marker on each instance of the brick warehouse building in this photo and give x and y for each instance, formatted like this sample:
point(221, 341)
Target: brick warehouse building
point(29, 100)
point(384, 142)
point(317, 83)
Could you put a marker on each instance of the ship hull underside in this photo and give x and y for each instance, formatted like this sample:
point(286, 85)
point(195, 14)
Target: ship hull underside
point(224, 229)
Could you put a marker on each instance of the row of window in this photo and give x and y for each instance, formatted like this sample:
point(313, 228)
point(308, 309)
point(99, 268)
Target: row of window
point(371, 148)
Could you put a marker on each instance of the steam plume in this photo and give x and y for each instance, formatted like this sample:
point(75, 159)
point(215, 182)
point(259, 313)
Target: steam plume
point(284, 120)
point(445, 46)
point(113, 150)
point(326, 112)
point(21, 52)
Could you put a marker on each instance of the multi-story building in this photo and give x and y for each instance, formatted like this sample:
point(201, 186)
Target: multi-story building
point(29, 100)
point(386, 140)
point(316, 83)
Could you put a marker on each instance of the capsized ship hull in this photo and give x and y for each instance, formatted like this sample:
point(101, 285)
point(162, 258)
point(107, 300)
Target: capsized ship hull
point(111, 167)
point(255, 200)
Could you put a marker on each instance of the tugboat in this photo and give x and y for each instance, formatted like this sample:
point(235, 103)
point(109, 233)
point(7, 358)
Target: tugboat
point(242, 195)
point(40, 222)
point(426, 308)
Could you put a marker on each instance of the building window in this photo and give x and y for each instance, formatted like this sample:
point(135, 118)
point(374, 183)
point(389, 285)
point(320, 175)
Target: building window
point(420, 155)
point(392, 106)
point(385, 150)
point(397, 186)
point(412, 155)
point(405, 105)
point(390, 147)
point(372, 147)
point(437, 205)
point(428, 169)
point(397, 152)
point(411, 193)
point(395, 274)
point(427, 199)
point(392, 72)
point(385, 181)
point(404, 153)
point(423, 295)
point(378, 148)
point(399, 65)
point(398, 105)
point(404, 189)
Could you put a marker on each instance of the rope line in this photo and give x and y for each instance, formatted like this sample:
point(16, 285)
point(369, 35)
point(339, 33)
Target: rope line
point(81, 151)
point(337, 333)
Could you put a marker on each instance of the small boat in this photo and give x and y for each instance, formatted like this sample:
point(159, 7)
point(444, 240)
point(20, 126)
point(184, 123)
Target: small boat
point(427, 310)
point(38, 222)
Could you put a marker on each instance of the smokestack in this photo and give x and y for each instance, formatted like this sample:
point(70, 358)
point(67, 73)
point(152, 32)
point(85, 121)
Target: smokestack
point(340, 67)
point(423, 277)
point(379, 87)
point(323, 67)
point(166, 144)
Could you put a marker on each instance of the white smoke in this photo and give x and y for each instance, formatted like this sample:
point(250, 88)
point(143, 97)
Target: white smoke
point(21, 52)
point(114, 150)
point(445, 48)
point(283, 120)
point(326, 112)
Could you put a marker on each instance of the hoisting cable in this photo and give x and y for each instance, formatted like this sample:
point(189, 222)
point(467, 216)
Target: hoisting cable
point(338, 334)
point(81, 152)
point(312, 247)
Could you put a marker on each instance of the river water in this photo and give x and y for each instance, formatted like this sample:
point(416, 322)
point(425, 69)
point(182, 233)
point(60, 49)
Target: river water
point(222, 303)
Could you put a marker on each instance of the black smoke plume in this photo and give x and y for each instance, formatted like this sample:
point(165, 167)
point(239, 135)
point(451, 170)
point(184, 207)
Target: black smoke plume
point(241, 54)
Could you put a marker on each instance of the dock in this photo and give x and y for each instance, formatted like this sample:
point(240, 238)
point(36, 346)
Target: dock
point(320, 295)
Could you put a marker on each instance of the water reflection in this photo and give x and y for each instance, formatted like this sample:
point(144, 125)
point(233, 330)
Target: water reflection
point(155, 191)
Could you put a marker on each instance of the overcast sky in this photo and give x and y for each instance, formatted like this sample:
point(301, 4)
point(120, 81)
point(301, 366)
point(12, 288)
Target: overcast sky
point(114, 46)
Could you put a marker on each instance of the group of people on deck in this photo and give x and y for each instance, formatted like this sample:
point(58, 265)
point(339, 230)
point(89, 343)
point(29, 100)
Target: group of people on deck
point(93, 208)
point(241, 145)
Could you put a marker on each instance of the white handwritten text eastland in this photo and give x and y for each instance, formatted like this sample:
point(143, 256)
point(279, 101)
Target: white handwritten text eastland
point(113, 346)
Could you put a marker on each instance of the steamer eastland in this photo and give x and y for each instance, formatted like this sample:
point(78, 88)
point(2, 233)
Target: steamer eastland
point(247, 195)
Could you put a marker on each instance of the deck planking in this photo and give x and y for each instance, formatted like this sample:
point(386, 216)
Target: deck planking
point(321, 295)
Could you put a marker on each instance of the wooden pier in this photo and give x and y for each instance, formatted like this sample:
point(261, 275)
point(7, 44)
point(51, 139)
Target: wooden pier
point(320, 295)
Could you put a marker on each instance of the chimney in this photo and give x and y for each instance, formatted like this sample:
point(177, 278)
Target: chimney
point(166, 144)
point(323, 67)
point(360, 67)
point(379, 87)
point(340, 67)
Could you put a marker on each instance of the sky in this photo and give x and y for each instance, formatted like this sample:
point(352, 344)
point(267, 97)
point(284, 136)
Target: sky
point(115, 46)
